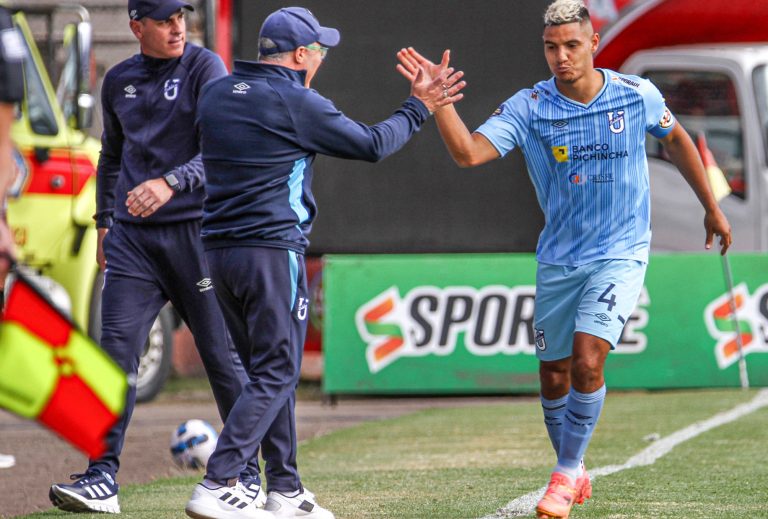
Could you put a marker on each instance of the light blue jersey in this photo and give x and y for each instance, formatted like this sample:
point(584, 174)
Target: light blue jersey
point(587, 164)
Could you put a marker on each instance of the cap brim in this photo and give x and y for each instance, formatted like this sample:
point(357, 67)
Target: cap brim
point(328, 37)
point(167, 10)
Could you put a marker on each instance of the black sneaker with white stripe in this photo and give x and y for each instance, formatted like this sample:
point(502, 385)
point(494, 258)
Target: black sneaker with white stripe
point(211, 501)
point(94, 491)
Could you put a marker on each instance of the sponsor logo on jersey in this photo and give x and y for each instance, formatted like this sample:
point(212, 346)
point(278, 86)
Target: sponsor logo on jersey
point(241, 88)
point(171, 89)
point(666, 119)
point(560, 153)
point(629, 82)
point(616, 121)
point(588, 152)
point(560, 125)
point(130, 92)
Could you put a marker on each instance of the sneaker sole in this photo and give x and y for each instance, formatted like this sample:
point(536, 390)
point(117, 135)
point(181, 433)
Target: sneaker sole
point(543, 514)
point(70, 502)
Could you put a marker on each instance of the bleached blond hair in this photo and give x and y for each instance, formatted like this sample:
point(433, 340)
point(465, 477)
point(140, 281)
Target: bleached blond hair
point(560, 12)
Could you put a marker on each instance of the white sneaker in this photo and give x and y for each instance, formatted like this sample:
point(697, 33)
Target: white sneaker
point(238, 502)
point(301, 505)
point(7, 461)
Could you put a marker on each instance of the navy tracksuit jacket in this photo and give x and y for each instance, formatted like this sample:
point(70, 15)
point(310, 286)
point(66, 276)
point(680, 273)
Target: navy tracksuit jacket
point(261, 129)
point(149, 109)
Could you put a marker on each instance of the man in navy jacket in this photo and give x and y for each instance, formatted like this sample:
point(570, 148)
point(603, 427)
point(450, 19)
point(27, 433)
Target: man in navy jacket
point(149, 198)
point(261, 129)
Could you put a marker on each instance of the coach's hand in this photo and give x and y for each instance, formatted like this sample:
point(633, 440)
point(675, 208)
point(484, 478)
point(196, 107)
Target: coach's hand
point(435, 85)
point(149, 196)
point(101, 259)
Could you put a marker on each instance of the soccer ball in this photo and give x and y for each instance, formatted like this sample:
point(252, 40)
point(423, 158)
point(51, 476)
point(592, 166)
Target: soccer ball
point(192, 443)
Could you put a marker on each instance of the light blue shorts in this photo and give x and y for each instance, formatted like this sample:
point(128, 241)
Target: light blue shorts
point(596, 298)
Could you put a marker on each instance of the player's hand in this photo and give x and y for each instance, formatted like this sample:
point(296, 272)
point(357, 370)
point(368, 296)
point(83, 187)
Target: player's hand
point(715, 222)
point(149, 196)
point(435, 85)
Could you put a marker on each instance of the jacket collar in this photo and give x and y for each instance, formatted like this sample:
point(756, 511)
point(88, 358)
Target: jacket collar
point(259, 69)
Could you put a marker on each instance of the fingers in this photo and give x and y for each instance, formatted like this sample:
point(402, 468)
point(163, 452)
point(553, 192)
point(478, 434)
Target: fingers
point(725, 242)
point(709, 238)
point(446, 58)
point(405, 72)
point(418, 57)
point(142, 202)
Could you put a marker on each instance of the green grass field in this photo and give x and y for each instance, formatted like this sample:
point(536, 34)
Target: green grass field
point(471, 461)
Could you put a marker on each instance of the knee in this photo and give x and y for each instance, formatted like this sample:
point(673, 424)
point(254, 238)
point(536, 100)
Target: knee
point(587, 374)
point(555, 378)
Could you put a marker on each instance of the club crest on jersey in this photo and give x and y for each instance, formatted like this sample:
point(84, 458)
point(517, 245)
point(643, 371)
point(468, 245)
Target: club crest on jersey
point(616, 121)
point(171, 89)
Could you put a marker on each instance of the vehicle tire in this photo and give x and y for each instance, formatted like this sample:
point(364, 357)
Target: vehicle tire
point(155, 362)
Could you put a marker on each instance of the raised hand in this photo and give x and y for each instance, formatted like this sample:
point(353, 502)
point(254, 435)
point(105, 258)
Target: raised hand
point(435, 85)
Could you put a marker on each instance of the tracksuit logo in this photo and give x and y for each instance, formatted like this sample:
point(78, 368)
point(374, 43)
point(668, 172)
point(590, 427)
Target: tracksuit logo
point(303, 306)
point(205, 284)
point(130, 92)
point(241, 88)
point(171, 89)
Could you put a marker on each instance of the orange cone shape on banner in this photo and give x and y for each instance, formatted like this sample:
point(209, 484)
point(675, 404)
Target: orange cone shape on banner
point(715, 176)
point(50, 371)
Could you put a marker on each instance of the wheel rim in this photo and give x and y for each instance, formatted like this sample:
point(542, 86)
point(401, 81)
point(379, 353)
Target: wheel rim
point(152, 359)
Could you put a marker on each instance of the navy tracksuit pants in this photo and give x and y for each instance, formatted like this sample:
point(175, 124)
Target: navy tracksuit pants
point(147, 266)
point(262, 292)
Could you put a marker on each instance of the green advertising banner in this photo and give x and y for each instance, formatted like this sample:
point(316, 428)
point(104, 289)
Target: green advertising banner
point(463, 323)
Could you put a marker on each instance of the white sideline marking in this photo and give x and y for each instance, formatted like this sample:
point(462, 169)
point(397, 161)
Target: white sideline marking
point(525, 505)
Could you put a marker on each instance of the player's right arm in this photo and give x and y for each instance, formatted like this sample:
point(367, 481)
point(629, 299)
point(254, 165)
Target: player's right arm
point(467, 149)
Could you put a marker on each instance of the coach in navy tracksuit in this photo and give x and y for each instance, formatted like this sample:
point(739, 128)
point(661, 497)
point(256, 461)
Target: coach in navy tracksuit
point(149, 197)
point(261, 129)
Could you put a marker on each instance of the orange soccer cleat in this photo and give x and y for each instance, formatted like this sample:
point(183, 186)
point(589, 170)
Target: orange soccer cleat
point(583, 488)
point(560, 496)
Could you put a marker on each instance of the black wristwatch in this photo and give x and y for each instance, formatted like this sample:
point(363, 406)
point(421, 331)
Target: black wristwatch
point(172, 181)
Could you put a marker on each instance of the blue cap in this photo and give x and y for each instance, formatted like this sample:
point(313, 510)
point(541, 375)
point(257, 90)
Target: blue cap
point(155, 9)
point(293, 27)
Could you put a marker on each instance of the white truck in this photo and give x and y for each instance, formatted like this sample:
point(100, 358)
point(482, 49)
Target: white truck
point(718, 90)
point(721, 93)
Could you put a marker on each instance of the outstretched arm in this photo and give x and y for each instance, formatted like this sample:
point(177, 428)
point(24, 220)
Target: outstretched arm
point(684, 155)
point(467, 149)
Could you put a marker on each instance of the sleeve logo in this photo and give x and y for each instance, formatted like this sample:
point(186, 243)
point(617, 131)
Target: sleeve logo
point(666, 119)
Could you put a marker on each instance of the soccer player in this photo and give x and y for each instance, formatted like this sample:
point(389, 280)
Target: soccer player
point(12, 54)
point(261, 130)
point(149, 200)
point(583, 136)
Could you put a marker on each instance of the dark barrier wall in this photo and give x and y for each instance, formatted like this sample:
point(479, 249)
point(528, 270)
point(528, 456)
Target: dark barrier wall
point(418, 200)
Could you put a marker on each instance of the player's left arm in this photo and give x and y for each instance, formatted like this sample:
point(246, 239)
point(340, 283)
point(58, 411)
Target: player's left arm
point(683, 154)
